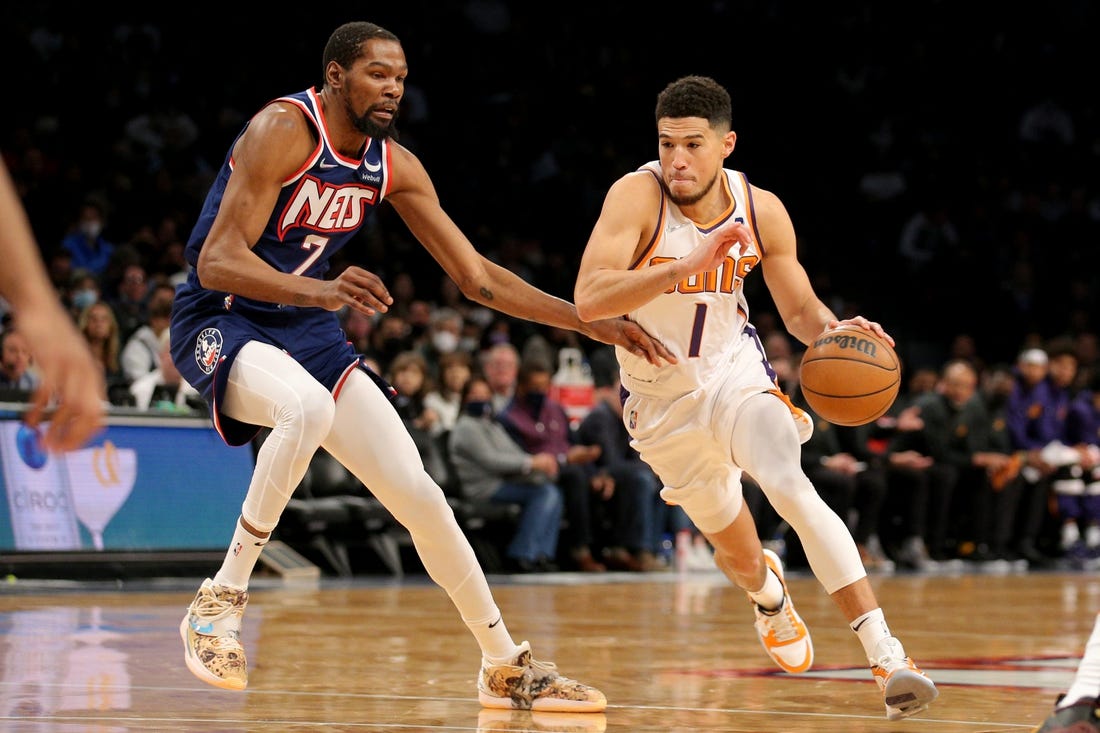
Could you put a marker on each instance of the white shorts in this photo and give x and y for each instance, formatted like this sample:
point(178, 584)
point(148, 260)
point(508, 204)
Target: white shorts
point(687, 440)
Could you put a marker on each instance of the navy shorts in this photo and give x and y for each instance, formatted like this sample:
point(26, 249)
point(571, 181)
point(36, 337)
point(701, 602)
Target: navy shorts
point(206, 340)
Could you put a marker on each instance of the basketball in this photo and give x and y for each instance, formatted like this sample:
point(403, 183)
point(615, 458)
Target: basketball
point(850, 376)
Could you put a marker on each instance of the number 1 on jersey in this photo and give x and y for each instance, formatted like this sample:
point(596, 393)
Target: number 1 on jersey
point(697, 329)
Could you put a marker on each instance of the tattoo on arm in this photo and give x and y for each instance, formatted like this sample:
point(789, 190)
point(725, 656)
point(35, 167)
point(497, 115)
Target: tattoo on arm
point(486, 293)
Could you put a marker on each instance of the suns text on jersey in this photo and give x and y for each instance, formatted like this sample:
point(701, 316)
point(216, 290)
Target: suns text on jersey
point(725, 278)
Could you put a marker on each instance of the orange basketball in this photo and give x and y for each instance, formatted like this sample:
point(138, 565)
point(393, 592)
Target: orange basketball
point(850, 376)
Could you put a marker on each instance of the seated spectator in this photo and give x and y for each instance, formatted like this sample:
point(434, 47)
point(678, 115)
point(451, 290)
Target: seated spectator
point(455, 369)
point(16, 372)
point(918, 490)
point(634, 539)
point(1076, 484)
point(141, 354)
point(130, 303)
point(540, 425)
point(444, 332)
point(500, 365)
point(1032, 424)
point(97, 323)
point(83, 290)
point(85, 242)
point(492, 466)
point(959, 433)
point(163, 387)
point(408, 373)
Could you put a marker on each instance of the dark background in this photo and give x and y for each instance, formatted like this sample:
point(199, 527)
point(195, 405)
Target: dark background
point(860, 116)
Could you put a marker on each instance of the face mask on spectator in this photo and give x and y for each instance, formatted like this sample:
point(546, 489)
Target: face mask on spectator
point(84, 298)
point(535, 401)
point(479, 408)
point(91, 229)
point(444, 341)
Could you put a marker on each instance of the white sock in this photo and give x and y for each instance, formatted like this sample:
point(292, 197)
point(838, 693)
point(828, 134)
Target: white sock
point(770, 596)
point(871, 628)
point(241, 558)
point(1086, 683)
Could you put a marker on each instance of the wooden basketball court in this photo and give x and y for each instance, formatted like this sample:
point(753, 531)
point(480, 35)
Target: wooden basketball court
point(672, 652)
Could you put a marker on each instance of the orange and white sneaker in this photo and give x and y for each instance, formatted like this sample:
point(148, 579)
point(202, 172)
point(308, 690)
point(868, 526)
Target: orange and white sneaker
point(782, 632)
point(906, 690)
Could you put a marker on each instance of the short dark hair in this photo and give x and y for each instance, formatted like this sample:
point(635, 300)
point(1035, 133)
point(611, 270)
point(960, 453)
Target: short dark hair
point(696, 96)
point(345, 44)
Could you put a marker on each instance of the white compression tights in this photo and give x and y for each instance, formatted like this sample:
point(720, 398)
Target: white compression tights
point(363, 432)
point(765, 444)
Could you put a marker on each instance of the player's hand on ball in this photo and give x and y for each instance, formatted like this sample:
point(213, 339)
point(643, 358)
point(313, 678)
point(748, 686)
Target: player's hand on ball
point(863, 323)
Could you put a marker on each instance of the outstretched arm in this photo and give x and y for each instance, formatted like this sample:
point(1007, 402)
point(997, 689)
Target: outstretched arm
point(60, 352)
point(485, 282)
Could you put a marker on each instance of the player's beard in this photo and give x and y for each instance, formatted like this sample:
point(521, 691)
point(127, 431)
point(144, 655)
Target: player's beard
point(365, 124)
point(691, 199)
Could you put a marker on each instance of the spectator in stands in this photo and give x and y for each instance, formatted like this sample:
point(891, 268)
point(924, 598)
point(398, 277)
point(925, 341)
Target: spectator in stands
point(82, 291)
point(492, 466)
point(131, 303)
point(540, 425)
point(1068, 455)
point(162, 387)
point(16, 372)
point(85, 241)
point(996, 519)
point(100, 329)
point(633, 537)
point(141, 352)
point(408, 373)
point(500, 364)
point(455, 369)
point(915, 483)
point(958, 432)
point(1029, 416)
point(442, 337)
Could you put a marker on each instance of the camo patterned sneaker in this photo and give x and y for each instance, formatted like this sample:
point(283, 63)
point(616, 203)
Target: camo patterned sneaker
point(905, 689)
point(528, 684)
point(782, 632)
point(211, 633)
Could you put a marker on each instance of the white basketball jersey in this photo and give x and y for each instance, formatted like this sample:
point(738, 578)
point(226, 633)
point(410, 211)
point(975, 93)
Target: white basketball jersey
point(704, 317)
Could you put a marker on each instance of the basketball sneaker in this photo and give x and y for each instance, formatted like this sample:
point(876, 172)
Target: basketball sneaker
point(211, 633)
point(528, 684)
point(782, 632)
point(1080, 717)
point(906, 690)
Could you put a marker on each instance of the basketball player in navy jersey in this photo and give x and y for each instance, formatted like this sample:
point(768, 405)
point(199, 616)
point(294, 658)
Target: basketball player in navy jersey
point(671, 249)
point(255, 329)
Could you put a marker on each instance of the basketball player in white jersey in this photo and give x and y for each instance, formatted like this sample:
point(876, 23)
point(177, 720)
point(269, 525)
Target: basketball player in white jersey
point(671, 249)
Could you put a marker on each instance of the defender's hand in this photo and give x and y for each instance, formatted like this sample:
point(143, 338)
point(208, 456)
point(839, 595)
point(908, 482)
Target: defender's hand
point(632, 337)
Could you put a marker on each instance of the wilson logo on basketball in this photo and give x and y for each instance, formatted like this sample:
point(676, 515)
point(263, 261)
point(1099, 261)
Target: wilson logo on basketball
point(844, 341)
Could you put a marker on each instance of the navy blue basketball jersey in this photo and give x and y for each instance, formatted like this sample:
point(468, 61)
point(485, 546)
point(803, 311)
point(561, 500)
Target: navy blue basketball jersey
point(318, 211)
point(320, 208)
